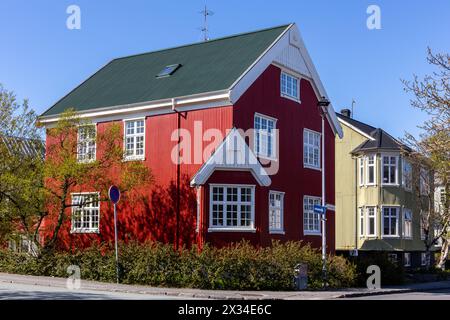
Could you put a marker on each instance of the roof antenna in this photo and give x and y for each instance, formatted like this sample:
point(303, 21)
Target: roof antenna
point(353, 104)
point(205, 28)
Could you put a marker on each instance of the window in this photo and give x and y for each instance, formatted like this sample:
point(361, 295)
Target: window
point(85, 213)
point(290, 86)
point(407, 175)
point(371, 169)
point(362, 225)
point(311, 220)
point(407, 260)
point(390, 221)
point(407, 224)
point(86, 143)
point(442, 196)
point(232, 207)
point(265, 136)
point(371, 221)
point(423, 235)
point(392, 257)
point(276, 204)
point(361, 171)
point(168, 70)
point(134, 139)
point(389, 170)
point(311, 149)
point(423, 259)
point(367, 221)
point(424, 182)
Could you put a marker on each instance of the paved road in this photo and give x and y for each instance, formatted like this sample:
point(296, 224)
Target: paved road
point(15, 291)
point(443, 294)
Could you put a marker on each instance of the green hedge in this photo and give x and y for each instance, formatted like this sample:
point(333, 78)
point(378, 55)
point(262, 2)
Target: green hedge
point(237, 267)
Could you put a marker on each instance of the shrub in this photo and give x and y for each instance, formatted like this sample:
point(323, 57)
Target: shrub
point(239, 266)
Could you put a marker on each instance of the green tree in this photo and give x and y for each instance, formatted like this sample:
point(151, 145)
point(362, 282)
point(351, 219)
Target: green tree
point(431, 94)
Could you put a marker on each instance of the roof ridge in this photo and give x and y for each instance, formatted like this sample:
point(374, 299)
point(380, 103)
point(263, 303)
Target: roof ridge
point(353, 119)
point(204, 42)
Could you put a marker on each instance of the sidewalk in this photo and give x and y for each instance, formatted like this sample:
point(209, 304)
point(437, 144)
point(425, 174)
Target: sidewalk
point(219, 294)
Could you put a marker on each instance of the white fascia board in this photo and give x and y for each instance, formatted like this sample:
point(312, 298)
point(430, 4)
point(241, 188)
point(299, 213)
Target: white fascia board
point(233, 154)
point(186, 103)
point(355, 129)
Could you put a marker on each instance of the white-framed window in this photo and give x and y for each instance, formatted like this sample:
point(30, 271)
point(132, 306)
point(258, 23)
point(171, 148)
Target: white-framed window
point(134, 139)
point(311, 220)
point(407, 175)
point(311, 149)
point(407, 224)
point(424, 181)
point(390, 221)
point(232, 207)
point(87, 144)
point(423, 259)
point(368, 221)
point(371, 169)
point(390, 170)
point(407, 259)
point(362, 225)
point(276, 211)
point(290, 86)
point(85, 212)
point(265, 136)
point(361, 171)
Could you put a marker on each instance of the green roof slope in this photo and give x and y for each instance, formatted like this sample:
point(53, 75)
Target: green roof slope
point(206, 67)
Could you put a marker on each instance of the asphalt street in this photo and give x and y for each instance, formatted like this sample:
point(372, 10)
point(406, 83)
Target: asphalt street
point(443, 294)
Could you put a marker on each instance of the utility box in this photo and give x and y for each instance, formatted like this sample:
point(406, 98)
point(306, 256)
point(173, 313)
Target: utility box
point(301, 276)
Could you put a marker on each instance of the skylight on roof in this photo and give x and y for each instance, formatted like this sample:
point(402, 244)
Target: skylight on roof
point(168, 70)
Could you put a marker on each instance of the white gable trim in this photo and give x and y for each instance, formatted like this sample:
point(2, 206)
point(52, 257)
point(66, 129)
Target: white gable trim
point(291, 36)
point(235, 155)
point(356, 129)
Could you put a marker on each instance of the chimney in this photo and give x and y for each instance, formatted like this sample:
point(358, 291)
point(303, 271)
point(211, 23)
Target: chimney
point(346, 112)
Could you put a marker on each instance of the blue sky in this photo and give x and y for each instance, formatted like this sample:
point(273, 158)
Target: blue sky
point(43, 60)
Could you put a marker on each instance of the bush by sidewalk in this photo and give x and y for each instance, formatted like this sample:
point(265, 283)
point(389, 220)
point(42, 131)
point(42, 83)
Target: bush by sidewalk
point(237, 267)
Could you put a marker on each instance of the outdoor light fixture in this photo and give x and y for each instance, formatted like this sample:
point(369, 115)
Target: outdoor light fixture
point(323, 102)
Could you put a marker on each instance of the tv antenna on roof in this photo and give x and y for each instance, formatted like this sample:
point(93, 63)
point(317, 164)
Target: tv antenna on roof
point(205, 12)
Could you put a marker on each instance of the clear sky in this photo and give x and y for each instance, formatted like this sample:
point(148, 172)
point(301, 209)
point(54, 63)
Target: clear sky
point(41, 59)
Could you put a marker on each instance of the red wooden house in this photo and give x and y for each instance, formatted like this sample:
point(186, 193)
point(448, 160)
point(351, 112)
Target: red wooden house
point(255, 144)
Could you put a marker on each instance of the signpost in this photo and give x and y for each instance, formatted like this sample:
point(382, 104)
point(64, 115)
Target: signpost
point(114, 196)
point(322, 210)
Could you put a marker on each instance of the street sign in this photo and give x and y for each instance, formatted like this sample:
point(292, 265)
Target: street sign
point(114, 194)
point(319, 209)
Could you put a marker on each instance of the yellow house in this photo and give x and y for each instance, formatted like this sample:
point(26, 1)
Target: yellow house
point(376, 206)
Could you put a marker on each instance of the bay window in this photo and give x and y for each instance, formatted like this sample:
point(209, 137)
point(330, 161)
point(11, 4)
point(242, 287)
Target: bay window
point(361, 171)
point(390, 221)
point(232, 207)
point(390, 168)
point(368, 221)
point(407, 223)
point(407, 175)
point(371, 169)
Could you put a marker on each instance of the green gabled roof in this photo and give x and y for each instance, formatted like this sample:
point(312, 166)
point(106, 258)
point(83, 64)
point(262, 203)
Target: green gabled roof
point(206, 67)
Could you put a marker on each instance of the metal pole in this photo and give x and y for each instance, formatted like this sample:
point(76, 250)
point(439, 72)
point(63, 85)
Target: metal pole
point(324, 216)
point(115, 238)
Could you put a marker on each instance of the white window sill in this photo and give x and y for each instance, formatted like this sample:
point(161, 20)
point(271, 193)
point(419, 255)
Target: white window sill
point(134, 159)
point(368, 237)
point(307, 166)
point(86, 161)
point(217, 229)
point(310, 233)
point(390, 237)
point(390, 185)
point(291, 98)
point(281, 232)
point(261, 156)
point(85, 231)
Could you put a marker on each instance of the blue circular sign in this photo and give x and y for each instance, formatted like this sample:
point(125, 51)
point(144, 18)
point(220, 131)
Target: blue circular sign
point(114, 194)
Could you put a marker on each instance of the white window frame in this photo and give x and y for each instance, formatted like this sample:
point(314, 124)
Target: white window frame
point(361, 162)
point(368, 218)
point(224, 202)
point(423, 259)
point(368, 166)
point(404, 220)
point(407, 259)
point(82, 229)
point(424, 181)
point(83, 158)
point(406, 176)
point(423, 236)
point(390, 183)
point(397, 212)
point(362, 224)
point(269, 136)
point(133, 156)
point(280, 229)
point(306, 231)
point(284, 86)
point(307, 132)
